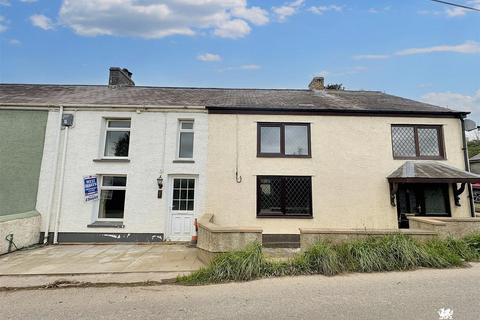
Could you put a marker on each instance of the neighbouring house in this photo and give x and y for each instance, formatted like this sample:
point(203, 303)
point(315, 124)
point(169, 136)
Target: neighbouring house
point(252, 164)
point(475, 168)
point(22, 134)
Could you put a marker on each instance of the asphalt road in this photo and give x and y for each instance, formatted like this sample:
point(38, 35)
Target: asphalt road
point(397, 295)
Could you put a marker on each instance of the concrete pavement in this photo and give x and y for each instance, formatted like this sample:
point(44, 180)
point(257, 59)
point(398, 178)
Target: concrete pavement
point(396, 295)
point(96, 264)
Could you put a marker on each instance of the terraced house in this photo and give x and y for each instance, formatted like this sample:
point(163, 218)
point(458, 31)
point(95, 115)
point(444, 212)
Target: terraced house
point(129, 163)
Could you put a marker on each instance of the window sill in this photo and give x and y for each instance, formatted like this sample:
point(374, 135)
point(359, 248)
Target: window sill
point(106, 224)
point(284, 217)
point(266, 155)
point(110, 160)
point(183, 161)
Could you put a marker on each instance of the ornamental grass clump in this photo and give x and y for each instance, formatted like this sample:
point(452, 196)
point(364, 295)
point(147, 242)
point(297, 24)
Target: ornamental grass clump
point(373, 254)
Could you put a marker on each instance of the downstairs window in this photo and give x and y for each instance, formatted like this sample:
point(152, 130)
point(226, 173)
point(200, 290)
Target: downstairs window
point(284, 196)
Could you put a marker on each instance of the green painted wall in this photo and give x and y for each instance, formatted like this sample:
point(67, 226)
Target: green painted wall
point(22, 134)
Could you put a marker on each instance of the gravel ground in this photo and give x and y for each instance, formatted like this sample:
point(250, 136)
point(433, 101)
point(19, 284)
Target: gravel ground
point(396, 295)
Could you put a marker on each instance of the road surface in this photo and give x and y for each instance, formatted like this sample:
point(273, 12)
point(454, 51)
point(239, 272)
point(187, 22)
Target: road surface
point(396, 295)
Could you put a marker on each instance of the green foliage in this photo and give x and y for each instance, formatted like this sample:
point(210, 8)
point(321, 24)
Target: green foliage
point(372, 254)
point(473, 148)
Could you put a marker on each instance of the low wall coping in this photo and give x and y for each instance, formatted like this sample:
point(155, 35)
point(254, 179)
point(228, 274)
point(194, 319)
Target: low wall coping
point(366, 231)
point(428, 220)
point(23, 215)
point(206, 222)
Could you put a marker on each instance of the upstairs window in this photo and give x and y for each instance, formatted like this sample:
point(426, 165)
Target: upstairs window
point(417, 142)
point(284, 196)
point(185, 139)
point(283, 140)
point(117, 138)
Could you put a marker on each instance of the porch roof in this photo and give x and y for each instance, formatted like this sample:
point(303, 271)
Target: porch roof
point(431, 172)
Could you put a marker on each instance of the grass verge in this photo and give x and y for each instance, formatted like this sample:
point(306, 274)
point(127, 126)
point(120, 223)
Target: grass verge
point(374, 254)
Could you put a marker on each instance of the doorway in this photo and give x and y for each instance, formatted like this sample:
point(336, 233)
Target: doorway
point(181, 208)
point(422, 199)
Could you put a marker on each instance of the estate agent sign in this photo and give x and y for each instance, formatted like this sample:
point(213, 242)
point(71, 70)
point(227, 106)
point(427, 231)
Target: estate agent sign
point(90, 187)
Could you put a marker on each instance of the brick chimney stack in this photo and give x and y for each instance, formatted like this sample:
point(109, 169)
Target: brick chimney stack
point(120, 77)
point(317, 83)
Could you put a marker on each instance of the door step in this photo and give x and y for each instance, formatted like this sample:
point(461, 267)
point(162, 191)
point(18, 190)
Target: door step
point(281, 241)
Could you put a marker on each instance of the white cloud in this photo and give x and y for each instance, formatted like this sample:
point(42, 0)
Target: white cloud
point(14, 42)
point(287, 10)
point(157, 19)
point(344, 72)
point(322, 9)
point(454, 100)
point(468, 47)
point(3, 24)
point(28, 1)
point(209, 57)
point(250, 67)
point(458, 12)
point(41, 21)
point(371, 56)
point(4, 2)
point(379, 10)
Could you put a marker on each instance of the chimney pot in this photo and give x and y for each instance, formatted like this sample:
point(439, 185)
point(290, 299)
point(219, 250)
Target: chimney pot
point(120, 77)
point(317, 83)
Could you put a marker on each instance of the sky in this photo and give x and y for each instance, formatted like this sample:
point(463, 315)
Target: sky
point(417, 49)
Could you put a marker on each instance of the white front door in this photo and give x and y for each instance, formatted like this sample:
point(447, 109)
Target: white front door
point(182, 208)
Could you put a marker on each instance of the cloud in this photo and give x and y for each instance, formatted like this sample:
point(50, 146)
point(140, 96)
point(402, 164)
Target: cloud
point(468, 47)
point(3, 24)
point(379, 10)
point(344, 72)
point(250, 67)
point(28, 1)
point(371, 56)
point(459, 12)
point(287, 10)
point(4, 2)
point(455, 101)
point(14, 42)
point(322, 9)
point(154, 19)
point(41, 21)
point(209, 57)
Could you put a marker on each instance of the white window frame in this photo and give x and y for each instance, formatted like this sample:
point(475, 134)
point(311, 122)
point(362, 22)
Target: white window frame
point(180, 131)
point(102, 187)
point(107, 129)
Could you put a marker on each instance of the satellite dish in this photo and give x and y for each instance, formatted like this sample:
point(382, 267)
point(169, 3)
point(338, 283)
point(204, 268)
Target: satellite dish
point(470, 125)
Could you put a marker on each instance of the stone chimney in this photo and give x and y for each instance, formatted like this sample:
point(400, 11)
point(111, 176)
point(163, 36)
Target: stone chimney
point(120, 77)
point(317, 83)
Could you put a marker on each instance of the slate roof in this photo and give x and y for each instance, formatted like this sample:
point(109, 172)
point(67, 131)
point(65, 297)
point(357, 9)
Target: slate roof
point(216, 98)
point(430, 171)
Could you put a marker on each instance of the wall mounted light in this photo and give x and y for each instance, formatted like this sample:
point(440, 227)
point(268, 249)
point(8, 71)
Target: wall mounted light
point(160, 186)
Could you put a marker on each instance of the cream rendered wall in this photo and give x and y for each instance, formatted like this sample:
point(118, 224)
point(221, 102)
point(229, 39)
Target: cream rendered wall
point(144, 212)
point(351, 158)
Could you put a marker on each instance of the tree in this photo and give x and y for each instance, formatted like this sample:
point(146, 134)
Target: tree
point(473, 147)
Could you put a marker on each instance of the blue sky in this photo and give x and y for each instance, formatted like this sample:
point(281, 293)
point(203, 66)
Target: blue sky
point(413, 48)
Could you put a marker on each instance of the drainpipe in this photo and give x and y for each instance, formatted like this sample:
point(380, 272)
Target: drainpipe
point(54, 178)
point(60, 191)
point(467, 166)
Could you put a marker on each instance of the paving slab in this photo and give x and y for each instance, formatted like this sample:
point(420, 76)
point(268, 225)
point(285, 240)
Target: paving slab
point(94, 259)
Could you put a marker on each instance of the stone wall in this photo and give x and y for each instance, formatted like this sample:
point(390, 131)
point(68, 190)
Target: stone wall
point(25, 228)
point(457, 227)
point(213, 239)
point(310, 236)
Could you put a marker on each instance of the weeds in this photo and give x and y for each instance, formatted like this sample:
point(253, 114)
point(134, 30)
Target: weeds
point(373, 254)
